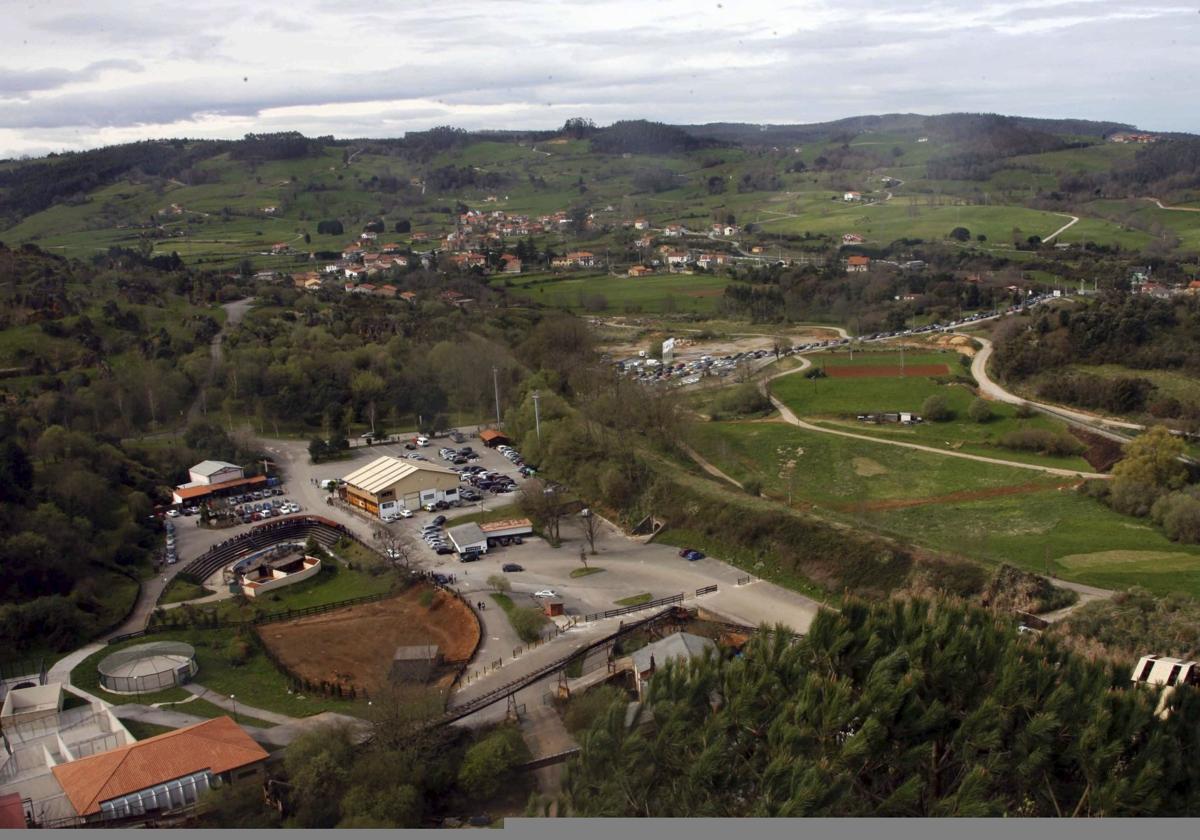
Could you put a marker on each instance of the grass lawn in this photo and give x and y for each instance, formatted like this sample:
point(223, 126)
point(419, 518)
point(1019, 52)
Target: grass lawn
point(334, 583)
point(842, 473)
point(256, 682)
point(179, 590)
point(836, 402)
point(634, 600)
point(141, 731)
point(990, 513)
point(527, 621)
point(512, 511)
point(590, 570)
point(605, 294)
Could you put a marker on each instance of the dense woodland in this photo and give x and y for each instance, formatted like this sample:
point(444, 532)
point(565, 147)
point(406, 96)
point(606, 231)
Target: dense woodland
point(900, 709)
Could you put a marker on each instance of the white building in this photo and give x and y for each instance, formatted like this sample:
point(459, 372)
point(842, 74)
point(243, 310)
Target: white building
point(214, 472)
point(468, 537)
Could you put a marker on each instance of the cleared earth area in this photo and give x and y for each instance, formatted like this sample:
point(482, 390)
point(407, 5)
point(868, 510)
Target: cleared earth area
point(355, 646)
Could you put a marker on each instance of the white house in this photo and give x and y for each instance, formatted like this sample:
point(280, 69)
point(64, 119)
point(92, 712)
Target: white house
point(214, 472)
point(852, 196)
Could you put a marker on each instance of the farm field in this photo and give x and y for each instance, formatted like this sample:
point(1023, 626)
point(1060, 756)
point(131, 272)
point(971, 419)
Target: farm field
point(606, 294)
point(990, 513)
point(838, 398)
point(355, 645)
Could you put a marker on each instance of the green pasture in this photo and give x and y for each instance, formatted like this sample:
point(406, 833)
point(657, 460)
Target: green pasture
point(604, 293)
point(836, 402)
point(1059, 531)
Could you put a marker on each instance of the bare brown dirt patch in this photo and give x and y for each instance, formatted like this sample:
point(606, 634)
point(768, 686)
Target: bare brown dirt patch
point(355, 645)
point(884, 371)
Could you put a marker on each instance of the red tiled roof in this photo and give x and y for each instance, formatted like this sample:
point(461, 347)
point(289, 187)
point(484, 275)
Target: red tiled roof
point(12, 814)
point(218, 745)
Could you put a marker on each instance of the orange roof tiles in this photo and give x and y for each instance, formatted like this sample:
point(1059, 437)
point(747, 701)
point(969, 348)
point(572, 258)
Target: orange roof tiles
point(218, 745)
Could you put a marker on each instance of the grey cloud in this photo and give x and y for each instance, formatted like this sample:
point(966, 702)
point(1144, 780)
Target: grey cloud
point(16, 83)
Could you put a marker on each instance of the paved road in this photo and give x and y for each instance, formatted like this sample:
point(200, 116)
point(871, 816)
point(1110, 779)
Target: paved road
point(790, 417)
point(991, 389)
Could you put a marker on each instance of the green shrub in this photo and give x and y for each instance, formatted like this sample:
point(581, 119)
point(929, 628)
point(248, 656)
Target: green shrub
point(740, 401)
point(980, 410)
point(1043, 441)
point(528, 622)
point(936, 409)
point(487, 764)
point(425, 599)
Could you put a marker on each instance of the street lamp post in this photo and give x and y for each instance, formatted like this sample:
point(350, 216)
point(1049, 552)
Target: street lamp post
point(233, 699)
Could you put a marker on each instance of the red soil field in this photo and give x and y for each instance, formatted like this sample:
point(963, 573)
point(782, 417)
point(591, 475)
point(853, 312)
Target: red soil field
point(355, 645)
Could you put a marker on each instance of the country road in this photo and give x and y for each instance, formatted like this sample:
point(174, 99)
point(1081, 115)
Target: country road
point(790, 417)
point(989, 388)
point(1162, 206)
point(1064, 228)
point(234, 312)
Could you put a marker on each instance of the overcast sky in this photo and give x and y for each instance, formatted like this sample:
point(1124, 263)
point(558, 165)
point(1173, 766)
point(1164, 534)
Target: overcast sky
point(82, 74)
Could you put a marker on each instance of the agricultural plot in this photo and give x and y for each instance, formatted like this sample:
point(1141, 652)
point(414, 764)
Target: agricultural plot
point(605, 294)
point(871, 384)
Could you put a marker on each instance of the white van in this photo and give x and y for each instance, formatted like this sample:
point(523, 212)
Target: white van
point(422, 441)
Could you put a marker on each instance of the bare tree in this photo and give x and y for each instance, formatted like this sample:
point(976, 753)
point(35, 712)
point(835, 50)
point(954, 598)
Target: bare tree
point(394, 548)
point(545, 503)
point(591, 530)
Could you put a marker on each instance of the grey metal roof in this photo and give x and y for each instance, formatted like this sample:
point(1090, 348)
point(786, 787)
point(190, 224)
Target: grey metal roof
point(385, 471)
point(675, 646)
point(468, 534)
point(213, 467)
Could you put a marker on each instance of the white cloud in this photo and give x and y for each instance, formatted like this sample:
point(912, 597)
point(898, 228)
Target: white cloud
point(212, 68)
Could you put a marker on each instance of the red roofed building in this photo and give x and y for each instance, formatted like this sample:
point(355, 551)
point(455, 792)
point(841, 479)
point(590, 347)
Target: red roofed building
point(168, 772)
point(857, 264)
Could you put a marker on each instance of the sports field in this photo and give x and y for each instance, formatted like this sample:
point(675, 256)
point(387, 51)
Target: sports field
point(606, 294)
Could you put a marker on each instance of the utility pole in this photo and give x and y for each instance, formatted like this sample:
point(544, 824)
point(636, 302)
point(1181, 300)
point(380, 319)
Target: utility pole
point(537, 415)
point(496, 388)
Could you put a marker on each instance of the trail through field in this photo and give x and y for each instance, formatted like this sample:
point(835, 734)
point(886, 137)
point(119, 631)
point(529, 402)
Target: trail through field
point(790, 417)
point(1162, 206)
point(1064, 228)
point(708, 467)
point(233, 315)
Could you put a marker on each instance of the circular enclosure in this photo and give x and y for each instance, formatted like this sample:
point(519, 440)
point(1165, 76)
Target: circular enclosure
point(149, 667)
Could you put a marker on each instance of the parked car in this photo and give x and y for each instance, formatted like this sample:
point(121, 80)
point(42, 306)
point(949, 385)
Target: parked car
point(512, 567)
point(470, 556)
point(439, 520)
point(691, 554)
point(404, 513)
point(173, 513)
point(545, 593)
point(445, 549)
point(428, 508)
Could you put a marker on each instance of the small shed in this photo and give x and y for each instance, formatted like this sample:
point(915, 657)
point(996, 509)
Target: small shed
point(552, 607)
point(493, 437)
point(677, 646)
point(414, 663)
point(468, 537)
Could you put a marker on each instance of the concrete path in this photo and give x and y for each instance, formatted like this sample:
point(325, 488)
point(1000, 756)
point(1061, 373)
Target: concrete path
point(708, 467)
point(279, 736)
point(790, 417)
point(1087, 594)
point(233, 706)
point(544, 733)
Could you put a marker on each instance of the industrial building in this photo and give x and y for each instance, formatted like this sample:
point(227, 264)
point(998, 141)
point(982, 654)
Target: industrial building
point(214, 478)
point(468, 537)
point(388, 484)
